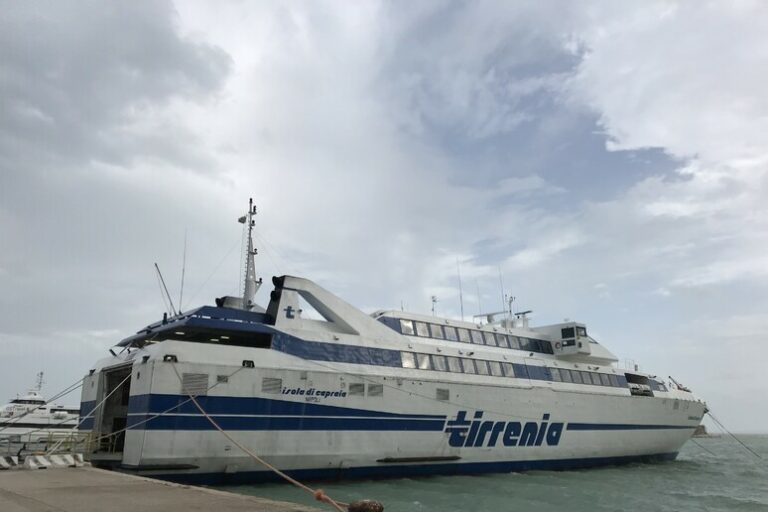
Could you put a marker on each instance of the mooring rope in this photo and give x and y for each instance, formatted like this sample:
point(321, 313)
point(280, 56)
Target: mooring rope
point(319, 494)
point(59, 443)
point(750, 450)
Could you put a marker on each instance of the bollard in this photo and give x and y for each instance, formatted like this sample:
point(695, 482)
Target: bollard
point(365, 506)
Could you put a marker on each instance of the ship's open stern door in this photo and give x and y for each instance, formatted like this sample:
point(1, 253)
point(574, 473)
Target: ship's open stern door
point(112, 418)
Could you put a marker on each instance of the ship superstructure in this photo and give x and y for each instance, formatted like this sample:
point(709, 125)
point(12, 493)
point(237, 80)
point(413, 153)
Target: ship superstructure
point(340, 393)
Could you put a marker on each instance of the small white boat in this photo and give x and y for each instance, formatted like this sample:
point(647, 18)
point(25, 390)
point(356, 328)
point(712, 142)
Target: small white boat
point(30, 419)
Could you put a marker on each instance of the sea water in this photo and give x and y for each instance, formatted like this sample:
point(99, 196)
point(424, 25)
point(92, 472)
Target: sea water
point(710, 474)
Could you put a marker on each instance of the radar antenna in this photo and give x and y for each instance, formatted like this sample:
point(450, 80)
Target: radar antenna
point(252, 285)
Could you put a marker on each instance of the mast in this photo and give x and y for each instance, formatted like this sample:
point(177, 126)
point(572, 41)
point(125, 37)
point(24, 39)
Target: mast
point(251, 283)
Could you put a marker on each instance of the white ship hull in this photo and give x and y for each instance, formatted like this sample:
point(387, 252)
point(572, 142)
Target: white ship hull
point(401, 432)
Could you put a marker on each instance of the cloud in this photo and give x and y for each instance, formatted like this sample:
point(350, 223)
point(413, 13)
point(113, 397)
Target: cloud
point(562, 146)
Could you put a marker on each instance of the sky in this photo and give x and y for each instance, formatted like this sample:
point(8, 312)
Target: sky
point(605, 162)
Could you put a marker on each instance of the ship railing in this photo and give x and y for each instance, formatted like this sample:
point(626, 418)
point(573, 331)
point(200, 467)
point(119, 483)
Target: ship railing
point(37, 443)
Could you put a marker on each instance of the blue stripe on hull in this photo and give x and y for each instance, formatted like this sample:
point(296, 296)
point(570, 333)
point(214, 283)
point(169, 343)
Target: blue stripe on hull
point(259, 414)
point(624, 426)
point(158, 403)
point(284, 423)
point(396, 471)
point(86, 408)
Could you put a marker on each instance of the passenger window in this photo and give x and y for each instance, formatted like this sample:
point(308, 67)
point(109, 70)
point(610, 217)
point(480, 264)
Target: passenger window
point(509, 370)
point(501, 340)
point(437, 331)
point(604, 378)
point(421, 329)
point(406, 327)
point(438, 363)
point(482, 367)
point(615, 381)
point(454, 364)
point(450, 333)
point(489, 339)
point(566, 375)
point(477, 337)
point(555, 374)
point(525, 343)
point(514, 342)
point(423, 360)
point(408, 359)
point(586, 378)
point(596, 379)
point(576, 376)
point(535, 346)
point(495, 368)
point(463, 335)
point(469, 365)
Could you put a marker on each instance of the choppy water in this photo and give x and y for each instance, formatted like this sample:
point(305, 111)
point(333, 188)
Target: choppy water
point(713, 474)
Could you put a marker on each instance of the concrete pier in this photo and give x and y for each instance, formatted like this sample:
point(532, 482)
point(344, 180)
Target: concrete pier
point(87, 489)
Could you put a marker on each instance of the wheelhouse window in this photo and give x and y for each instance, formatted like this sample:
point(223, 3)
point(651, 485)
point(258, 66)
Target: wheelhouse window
point(408, 359)
point(567, 332)
point(490, 339)
point(454, 364)
point(477, 337)
point(450, 333)
point(501, 340)
point(463, 335)
point(423, 361)
point(514, 342)
point(582, 331)
point(406, 327)
point(422, 329)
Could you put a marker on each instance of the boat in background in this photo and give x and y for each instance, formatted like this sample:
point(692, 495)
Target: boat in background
point(29, 418)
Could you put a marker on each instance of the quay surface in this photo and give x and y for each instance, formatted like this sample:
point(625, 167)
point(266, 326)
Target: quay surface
point(88, 489)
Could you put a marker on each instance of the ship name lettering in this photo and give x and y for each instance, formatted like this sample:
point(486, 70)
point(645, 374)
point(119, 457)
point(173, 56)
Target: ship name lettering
point(476, 432)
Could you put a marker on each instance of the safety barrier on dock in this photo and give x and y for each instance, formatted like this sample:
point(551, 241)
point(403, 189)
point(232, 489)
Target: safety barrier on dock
point(34, 461)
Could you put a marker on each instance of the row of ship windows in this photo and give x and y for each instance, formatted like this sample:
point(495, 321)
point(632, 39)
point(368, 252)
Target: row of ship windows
point(478, 337)
point(504, 369)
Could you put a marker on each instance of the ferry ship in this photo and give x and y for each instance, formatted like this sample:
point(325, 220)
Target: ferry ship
point(339, 393)
point(31, 419)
